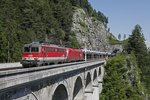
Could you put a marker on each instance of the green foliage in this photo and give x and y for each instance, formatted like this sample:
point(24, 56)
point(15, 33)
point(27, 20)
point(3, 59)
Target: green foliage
point(93, 19)
point(3, 47)
point(121, 81)
point(111, 36)
point(83, 24)
point(112, 39)
point(100, 16)
point(136, 43)
point(75, 43)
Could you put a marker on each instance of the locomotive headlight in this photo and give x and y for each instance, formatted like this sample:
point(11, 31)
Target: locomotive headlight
point(35, 59)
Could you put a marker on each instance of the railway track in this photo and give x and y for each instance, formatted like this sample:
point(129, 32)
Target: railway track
point(8, 72)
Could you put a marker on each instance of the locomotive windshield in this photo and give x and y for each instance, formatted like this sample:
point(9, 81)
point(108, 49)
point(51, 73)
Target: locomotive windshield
point(34, 49)
point(26, 49)
point(31, 49)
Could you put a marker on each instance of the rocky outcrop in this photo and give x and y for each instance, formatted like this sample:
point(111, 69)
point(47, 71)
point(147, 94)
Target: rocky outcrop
point(90, 32)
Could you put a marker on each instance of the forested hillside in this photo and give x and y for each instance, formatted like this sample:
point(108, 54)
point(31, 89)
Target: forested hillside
point(25, 21)
point(122, 79)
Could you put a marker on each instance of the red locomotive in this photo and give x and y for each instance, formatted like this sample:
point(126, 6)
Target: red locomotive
point(36, 54)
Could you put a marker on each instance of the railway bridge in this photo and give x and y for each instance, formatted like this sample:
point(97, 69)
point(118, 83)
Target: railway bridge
point(70, 81)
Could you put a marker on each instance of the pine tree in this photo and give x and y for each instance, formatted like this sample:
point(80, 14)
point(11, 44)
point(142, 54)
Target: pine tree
point(119, 36)
point(137, 45)
point(124, 36)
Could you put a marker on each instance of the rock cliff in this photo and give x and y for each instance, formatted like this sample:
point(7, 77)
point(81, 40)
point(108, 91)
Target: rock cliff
point(90, 32)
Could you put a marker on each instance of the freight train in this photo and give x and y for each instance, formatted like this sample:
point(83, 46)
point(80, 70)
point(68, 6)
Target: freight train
point(39, 53)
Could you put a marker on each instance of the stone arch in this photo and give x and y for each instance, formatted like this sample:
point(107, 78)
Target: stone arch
point(88, 83)
point(95, 76)
point(99, 71)
point(60, 92)
point(78, 89)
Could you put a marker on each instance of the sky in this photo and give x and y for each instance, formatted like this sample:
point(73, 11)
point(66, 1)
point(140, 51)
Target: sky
point(123, 15)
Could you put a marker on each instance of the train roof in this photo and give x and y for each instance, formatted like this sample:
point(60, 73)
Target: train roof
point(92, 51)
point(37, 44)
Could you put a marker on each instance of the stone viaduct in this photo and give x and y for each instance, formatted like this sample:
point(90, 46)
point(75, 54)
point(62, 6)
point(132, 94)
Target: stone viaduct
point(74, 82)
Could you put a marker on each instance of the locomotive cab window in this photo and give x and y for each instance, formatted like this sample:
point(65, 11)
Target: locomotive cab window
point(34, 49)
point(26, 49)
